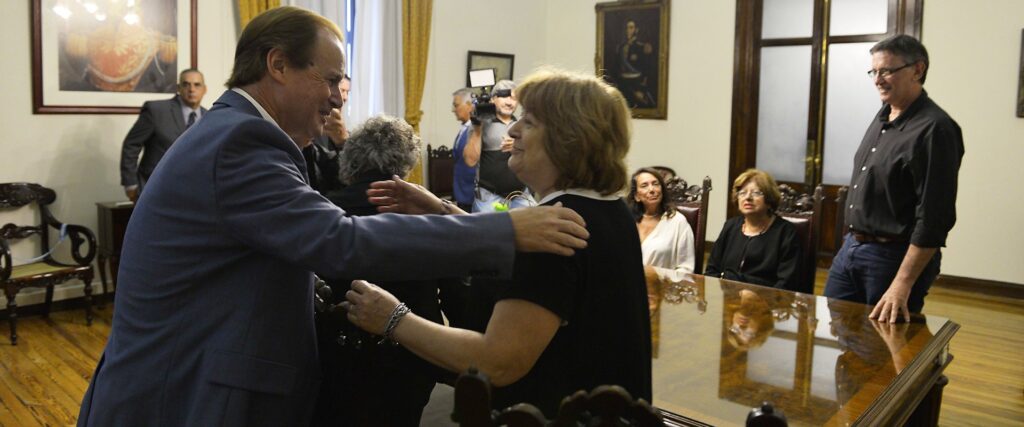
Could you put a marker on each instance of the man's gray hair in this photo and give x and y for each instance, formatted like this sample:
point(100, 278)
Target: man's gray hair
point(465, 95)
point(382, 145)
point(503, 85)
point(906, 47)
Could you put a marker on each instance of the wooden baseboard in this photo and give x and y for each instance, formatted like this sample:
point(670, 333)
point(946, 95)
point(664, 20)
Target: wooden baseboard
point(981, 286)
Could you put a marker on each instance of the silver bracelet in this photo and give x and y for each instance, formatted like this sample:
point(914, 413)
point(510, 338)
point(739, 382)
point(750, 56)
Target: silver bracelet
point(400, 311)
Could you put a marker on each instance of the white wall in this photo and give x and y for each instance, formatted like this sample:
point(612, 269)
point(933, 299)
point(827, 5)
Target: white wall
point(78, 155)
point(975, 52)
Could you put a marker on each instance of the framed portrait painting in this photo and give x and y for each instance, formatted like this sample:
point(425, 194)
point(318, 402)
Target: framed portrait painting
point(632, 53)
point(502, 63)
point(108, 56)
point(1020, 84)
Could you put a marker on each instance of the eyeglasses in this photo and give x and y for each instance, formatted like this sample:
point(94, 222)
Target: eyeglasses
point(886, 72)
point(757, 194)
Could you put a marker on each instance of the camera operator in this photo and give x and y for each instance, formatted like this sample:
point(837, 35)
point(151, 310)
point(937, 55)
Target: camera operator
point(490, 147)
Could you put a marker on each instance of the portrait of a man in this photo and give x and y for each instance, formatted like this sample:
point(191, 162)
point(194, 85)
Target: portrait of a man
point(633, 53)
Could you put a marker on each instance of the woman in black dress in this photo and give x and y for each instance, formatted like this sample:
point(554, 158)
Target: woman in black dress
point(564, 323)
point(366, 382)
point(757, 246)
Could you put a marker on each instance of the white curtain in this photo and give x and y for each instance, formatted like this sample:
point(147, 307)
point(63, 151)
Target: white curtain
point(376, 62)
point(377, 85)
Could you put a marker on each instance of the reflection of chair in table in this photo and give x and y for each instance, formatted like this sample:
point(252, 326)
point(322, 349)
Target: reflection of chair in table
point(43, 271)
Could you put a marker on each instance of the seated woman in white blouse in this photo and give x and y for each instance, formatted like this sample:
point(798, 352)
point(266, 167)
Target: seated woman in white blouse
point(665, 236)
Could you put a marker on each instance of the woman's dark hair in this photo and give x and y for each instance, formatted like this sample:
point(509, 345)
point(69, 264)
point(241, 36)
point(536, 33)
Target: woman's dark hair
point(637, 208)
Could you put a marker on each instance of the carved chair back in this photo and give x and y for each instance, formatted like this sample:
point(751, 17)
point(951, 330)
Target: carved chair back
point(692, 202)
point(804, 212)
point(606, 405)
point(440, 170)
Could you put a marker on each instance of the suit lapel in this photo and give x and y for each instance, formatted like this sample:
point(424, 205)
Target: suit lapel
point(174, 109)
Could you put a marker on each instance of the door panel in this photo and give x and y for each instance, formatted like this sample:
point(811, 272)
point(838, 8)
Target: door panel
point(782, 106)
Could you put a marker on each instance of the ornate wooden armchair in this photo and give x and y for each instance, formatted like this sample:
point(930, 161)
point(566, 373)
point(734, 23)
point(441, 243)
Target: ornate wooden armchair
point(804, 211)
point(604, 406)
point(692, 202)
point(440, 170)
point(42, 271)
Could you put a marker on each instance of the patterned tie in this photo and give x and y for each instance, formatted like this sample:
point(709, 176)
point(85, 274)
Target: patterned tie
point(191, 120)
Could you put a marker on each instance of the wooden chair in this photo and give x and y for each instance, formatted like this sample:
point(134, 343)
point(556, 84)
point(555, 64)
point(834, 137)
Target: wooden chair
point(606, 405)
point(692, 202)
point(440, 171)
point(804, 211)
point(43, 271)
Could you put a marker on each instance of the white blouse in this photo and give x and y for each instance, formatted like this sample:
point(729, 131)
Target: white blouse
point(669, 248)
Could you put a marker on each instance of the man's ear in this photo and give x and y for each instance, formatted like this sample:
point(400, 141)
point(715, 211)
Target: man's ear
point(276, 64)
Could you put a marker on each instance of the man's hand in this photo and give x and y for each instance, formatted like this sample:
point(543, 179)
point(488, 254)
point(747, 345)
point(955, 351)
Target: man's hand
point(506, 144)
point(400, 196)
point(893, 303)
point(551, 229)
point(132, 193)
point(335, 128)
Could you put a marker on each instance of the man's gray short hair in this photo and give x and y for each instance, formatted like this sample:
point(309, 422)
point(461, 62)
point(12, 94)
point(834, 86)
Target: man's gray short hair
point(383, 144)
point(465, 95)
point(503, 85)
point(906, 47)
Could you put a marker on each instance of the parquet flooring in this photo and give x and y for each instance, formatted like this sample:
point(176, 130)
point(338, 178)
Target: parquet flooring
point(43, 378)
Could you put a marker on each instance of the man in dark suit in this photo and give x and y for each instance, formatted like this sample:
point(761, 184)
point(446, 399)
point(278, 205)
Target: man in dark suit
point(214, 311)
point(159, 124)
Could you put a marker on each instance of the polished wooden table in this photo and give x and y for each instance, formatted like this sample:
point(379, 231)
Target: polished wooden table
point(722, 348)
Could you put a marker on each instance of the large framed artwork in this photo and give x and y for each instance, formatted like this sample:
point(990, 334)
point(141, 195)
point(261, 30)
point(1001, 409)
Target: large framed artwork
point(1020, 85)
point(108, 56)
point(632, 53)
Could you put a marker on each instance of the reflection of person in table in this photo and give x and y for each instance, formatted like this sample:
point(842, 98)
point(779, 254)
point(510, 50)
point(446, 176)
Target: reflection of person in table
point(870, 348)
point(747, 318)
point(634, 76)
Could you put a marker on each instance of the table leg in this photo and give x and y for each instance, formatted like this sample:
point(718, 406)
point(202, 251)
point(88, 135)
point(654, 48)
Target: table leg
point(927, 412)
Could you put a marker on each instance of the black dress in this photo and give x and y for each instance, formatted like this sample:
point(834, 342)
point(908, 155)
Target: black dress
point(768, 259)
point(371, 384)
point(601, 297)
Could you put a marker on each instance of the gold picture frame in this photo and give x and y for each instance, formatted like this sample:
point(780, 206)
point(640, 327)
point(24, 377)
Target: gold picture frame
point(632, 53)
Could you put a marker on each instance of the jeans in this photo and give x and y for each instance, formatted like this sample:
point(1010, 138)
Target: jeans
point(862, 272)
point(486, 199)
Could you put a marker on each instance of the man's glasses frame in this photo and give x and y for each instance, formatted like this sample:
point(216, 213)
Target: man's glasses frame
point(886, 72)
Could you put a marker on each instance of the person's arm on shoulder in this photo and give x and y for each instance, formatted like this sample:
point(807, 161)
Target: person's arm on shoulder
point(133, 144)
point(551, 229)
point(471, 154)
point(789, 258)
point(516, 335)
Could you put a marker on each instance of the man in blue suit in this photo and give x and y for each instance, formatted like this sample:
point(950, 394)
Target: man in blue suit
point(213, 322)
point(158, 125)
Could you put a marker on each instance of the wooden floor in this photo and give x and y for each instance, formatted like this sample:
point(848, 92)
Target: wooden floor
point(43, 378)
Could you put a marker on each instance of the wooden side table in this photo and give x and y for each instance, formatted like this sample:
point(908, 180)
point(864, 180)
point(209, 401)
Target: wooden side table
point(113, 221)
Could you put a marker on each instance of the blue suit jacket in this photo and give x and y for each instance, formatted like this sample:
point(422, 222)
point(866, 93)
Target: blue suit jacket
point(213, 319)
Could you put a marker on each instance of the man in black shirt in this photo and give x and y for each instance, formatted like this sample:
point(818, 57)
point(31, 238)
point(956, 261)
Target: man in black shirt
point(902, 200)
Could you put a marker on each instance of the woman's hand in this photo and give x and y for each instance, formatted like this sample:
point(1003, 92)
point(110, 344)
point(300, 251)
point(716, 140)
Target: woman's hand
point(369, 307)
point(400, 196)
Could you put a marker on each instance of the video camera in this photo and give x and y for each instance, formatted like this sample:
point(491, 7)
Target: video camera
point(483, 108)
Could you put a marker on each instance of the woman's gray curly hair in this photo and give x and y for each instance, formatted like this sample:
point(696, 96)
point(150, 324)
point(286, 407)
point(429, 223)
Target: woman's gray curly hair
point(384, 144)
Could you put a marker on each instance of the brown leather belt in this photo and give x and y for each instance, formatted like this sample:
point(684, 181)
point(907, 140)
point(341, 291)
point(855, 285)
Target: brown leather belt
point(870, 238)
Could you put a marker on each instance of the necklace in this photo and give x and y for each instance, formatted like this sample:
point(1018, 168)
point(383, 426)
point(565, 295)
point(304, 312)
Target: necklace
point(748, 229)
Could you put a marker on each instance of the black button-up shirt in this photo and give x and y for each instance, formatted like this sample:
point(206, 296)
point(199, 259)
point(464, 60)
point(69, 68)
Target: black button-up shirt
point(905, 175)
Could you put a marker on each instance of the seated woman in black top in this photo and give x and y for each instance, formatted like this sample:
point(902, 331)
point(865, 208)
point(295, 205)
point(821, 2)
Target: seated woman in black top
point(758, 246)
point(565, 323)
point(365, 382)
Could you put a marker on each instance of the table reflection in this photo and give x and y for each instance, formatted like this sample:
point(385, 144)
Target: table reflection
point(769, 345)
